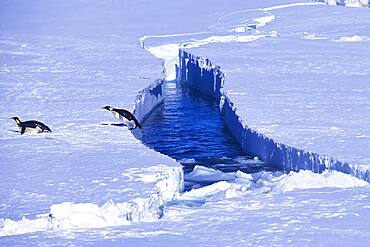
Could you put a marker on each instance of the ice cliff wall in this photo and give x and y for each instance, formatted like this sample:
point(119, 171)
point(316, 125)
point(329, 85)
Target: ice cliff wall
point(200, 74)
point(148, 99)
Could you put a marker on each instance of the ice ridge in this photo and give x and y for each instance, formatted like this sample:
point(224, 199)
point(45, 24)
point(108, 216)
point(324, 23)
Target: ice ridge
point(69, 215)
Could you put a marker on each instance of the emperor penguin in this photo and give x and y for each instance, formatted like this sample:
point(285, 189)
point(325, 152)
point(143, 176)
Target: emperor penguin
point(31, 126)
point(125, 116)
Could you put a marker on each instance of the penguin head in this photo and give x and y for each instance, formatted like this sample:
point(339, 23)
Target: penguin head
point(16, 119)
point(108, 108)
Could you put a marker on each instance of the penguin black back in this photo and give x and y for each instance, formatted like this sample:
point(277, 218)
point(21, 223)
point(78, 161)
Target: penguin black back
point(31, 125)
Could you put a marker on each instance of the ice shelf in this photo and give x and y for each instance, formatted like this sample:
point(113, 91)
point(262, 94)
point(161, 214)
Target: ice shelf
point(201, 74)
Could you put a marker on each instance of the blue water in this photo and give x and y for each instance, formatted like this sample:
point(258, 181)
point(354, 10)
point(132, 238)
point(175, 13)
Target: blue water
point(188, 127)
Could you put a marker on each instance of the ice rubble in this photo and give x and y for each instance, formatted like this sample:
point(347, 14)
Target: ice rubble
point(68, 215)
point(228, 185)
point(354, 38)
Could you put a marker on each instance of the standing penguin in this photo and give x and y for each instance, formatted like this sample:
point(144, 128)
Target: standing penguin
point(31, 126)
point(125, 116)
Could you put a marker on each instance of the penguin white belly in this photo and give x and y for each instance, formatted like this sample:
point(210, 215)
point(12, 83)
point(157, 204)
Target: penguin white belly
point(130, 124)
point(32, 130)
point(116, 115)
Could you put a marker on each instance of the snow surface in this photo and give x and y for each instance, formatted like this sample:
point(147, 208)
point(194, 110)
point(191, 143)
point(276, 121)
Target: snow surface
point(91, 182)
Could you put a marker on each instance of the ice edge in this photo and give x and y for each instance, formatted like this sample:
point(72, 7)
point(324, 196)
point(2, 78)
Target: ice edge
point(200, 74)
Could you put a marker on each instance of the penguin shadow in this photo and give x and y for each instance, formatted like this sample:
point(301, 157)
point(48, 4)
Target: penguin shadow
point(135, 131)
point(16, 131)
point(37, 135)
point(115, 124)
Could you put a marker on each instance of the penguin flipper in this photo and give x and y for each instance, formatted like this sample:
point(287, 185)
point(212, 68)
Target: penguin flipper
point(23, 129)
point(138, 125)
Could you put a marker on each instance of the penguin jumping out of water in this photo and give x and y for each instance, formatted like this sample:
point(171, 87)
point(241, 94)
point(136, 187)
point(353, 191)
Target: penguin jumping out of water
point(31, 126)
point(125, 116)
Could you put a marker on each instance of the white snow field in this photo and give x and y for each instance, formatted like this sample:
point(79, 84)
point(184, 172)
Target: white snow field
point(296, 73)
